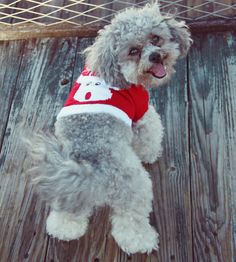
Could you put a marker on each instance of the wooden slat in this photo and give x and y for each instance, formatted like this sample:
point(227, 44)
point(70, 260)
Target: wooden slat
point(39, 95)
point(218, 25)
point(172, 205)
point(80, 58)
point(10, 57)
point(28, 31)
point(212, 143)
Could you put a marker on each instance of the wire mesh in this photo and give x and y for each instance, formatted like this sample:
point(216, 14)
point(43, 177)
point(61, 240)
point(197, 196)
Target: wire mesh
point(87, 12)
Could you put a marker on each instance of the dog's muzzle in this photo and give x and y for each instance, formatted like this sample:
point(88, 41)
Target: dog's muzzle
point(157, 69)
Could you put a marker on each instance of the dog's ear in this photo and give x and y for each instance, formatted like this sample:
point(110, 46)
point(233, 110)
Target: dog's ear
point(100, 57)
point(180, 34)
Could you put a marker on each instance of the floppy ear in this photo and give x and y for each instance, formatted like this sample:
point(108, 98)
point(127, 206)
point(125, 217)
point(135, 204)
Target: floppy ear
point(101, 57)
point(180, 34)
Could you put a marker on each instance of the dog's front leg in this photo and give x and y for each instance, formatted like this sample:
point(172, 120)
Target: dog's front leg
point(148, 133)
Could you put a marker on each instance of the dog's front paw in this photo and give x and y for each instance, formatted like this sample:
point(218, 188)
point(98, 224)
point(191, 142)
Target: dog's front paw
point(65, 226)
point(135, 237)
point(148, 134)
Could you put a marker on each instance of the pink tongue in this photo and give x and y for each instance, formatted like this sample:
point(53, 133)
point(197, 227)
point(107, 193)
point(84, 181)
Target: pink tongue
point(158, 70)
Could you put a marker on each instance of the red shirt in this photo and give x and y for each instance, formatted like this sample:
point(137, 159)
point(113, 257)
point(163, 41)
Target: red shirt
point(91, 94)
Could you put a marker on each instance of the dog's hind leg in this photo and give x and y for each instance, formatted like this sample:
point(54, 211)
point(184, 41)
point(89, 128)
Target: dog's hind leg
point(131, 207)
point(67, 226)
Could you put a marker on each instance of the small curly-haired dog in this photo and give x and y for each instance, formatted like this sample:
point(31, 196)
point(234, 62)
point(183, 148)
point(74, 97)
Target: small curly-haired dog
point(107, 129)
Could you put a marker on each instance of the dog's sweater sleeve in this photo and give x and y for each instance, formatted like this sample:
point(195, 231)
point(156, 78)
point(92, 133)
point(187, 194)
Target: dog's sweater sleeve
point(140, 101)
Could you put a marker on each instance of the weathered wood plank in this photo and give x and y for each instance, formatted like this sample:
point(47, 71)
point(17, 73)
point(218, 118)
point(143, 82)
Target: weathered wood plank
point(212, 144)
point(172, 204)
point(10, 57)
point(29, 31)
point(40, 93)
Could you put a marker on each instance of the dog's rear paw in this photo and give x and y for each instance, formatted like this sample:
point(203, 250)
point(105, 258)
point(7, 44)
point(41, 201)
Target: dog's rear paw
point(65, 226)
point(132, 239)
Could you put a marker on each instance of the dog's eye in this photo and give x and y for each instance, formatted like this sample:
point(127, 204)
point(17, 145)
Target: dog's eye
point(156, 40)
point(134, 51)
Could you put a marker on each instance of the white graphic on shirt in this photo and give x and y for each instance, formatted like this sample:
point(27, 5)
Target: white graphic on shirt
point(92, 88)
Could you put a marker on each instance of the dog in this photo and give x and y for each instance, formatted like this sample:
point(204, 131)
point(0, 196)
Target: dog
point(107, 129)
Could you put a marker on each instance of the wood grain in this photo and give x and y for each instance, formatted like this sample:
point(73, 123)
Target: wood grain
point(172, 205)
point(29, 31)
point(212, 146)
point(10, 57)
point(194, 181)
point(38, 96)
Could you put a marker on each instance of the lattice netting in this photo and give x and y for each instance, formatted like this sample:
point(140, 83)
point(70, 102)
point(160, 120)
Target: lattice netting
point(86, 12)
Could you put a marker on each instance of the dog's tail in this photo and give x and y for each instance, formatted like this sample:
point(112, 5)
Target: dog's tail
point(55, 174)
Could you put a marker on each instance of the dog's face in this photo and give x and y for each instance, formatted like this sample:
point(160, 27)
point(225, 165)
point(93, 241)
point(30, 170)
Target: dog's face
point(140, 46)
point(149, 56)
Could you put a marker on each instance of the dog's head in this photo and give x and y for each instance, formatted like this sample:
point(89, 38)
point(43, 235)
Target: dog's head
point(140, 46)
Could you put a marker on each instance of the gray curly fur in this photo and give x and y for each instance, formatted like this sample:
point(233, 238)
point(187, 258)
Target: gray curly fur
point(78, 166)
point(103, 56)
point(95, 159)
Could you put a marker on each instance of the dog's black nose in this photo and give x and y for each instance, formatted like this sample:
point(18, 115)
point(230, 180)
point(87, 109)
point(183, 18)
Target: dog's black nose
point(155, 58)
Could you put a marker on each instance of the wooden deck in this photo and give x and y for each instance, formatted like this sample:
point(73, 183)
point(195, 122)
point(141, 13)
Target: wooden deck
point(194, 181)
